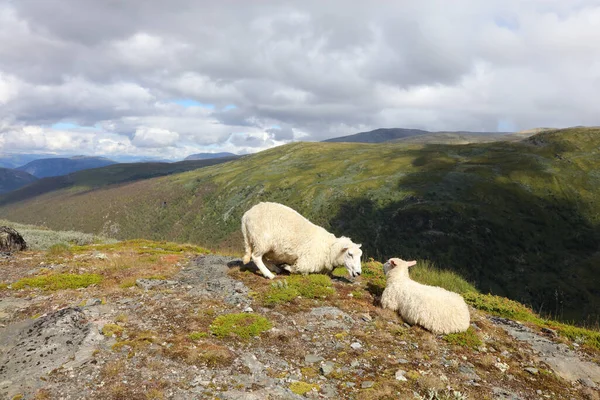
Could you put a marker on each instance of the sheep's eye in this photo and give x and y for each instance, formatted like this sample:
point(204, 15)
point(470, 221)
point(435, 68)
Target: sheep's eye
point(350, 254)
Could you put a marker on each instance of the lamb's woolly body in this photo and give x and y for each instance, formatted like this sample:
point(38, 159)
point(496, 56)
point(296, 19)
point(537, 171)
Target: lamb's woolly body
point(432, 307)
point(283, 236)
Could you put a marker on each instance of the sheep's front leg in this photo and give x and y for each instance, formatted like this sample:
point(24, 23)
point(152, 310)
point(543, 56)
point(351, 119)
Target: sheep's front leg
point(262, 267)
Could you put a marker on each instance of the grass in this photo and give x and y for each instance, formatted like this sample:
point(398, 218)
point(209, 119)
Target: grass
point(424, 272)
point(519, 219)
point(53, 282)
point(511, 309)
point(302, 388)
point(59, 249)
point(308, 286)
point(242, 325)
point(468, 338)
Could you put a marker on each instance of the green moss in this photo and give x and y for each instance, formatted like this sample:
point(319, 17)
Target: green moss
point(312, 286)
point(279, 294)
point(580, 335)
point(197, 335)
point(309, 286)
point(111, 330)
point(243, 325)
point(58, 281)
point(468, 338)
point(302, 388)
point(3, 285)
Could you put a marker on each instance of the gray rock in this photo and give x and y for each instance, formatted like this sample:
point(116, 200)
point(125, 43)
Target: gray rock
point(367, 384)
point(531, 370)
point(469, 373)
point(93, 302)
point(327, 367)
point(504, 394)
point(329, 391)
point(148, 284)
point(588, 383)
point(355, 363)
point(400, 375)
point(564, 361)
point(207, 275)
point(34, 348)
point(402, 361)
point(312, 358)
point(356, 345)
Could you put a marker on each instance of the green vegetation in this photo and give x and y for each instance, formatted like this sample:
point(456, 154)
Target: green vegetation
point(111, 330)
point(468, 338)
point(502, 307)
point(243, 325)
point(518, 219)
point(506, 308)
point(302, 388)
point(39, 238)
point(309, 286)
point(59, 249)
point(426, 273)
point(54, 282)
point(197, 335)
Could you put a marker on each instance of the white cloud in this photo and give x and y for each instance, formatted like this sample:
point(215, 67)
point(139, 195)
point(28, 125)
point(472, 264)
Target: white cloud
point(154, 137)
point(314, 69)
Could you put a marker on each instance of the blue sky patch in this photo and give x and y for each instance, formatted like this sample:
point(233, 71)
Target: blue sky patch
point(193, 103)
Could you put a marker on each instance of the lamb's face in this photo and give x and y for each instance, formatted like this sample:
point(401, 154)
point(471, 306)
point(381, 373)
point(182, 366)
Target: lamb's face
point(397, 263)
point(352, 257)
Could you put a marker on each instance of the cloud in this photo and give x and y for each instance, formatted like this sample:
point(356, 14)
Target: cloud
point(154, 137)
point(277, 71)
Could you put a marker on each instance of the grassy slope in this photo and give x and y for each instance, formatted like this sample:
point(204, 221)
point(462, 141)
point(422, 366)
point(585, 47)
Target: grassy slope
point(517, 219)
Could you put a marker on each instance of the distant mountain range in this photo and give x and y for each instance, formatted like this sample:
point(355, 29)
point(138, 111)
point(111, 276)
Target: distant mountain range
point(11, 179)
point(208, 156)
point(48, 167)
point(421, 136)
point(10, 160)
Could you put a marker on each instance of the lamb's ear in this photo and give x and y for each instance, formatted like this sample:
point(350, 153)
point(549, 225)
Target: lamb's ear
point(358, 245)
point(411, 263)
point(345, 249)
point(391, 261)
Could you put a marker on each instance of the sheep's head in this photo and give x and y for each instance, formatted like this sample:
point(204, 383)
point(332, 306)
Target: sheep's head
point(397, 263)
point(351, 253)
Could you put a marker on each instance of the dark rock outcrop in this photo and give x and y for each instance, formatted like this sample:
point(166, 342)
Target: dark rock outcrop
point(11, 240)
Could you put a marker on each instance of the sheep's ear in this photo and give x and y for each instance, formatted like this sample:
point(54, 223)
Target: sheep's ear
point(358, 245)
point(411, 263)
point(345, 249)
point(392, 262)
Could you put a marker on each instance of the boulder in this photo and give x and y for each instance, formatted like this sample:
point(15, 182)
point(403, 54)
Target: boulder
point(11, 240)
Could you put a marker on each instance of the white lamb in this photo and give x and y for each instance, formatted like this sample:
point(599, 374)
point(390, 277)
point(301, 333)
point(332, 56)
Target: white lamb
point(432, 307)
point(283, 236)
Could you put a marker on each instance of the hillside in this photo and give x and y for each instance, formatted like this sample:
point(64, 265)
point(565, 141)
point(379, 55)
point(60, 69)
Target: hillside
point(207, 156)
point(420, 136)
point(144, 320)
point(11, 179)
point(101, 177)
point(465, 138)
point(48, 167)
point(517, 219)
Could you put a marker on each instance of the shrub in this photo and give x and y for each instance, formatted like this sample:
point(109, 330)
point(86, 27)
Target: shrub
point(302, 388)
point(309, 286)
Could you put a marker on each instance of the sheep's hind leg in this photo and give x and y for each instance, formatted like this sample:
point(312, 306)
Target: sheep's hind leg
point(262, 267)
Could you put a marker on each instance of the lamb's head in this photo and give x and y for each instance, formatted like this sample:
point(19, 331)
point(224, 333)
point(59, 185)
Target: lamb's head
point(349, 255)
point(394, 263)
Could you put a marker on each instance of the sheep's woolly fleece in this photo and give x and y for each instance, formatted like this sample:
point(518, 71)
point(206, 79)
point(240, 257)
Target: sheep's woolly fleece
point(431, 307)
point(283, 236)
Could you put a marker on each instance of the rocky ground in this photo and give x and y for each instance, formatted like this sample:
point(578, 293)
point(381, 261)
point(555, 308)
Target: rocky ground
point(147, 331)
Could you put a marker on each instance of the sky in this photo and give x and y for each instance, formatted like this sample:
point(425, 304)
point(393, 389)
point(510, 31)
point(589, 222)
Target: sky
point(165, 79)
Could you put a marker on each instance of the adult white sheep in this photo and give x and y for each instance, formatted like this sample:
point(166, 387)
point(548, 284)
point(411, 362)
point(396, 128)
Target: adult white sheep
point(283, 236)
point(432, 307)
